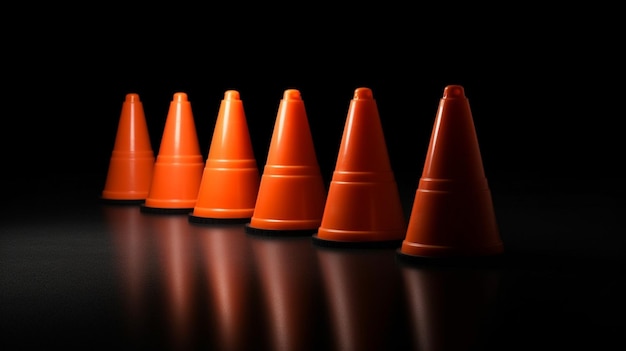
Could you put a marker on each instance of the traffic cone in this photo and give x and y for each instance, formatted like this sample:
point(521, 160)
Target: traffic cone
point(363, 206)
point(292, 193)
point(230, 181)
point(452, 214)
point(179, 164)
point(132, 160)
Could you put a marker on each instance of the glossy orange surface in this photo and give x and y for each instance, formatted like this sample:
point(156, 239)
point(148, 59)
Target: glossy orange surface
point(363, 203)
point(179, 164)
point(452, 213)
point(230, 181)
point(132, 160)
point(292, 193)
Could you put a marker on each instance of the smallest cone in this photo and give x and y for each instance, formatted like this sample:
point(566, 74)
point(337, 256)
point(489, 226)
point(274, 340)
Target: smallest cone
point(230, 181)
point(452, 214)
point(132, 160)
point(178, 167)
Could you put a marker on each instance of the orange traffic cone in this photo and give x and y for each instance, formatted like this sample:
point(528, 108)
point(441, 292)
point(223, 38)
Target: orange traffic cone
point(132, 160)
point(363, 206)
point(452, 214)
point(230, 181)
point(291, 193)
point(179, 164)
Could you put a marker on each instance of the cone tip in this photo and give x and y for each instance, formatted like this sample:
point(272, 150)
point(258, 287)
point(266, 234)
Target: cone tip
point(453, 91)
point(231, 95)
point(132, 97)
point(363, 93)
point(180, 97)
point(292, 94)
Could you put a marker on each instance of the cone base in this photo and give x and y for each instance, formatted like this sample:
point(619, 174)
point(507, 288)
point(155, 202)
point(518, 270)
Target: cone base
point(486, 261)
point(278, 232)
point(122, 202)
point(207, 220)
point(159, 210)
point(356, 244)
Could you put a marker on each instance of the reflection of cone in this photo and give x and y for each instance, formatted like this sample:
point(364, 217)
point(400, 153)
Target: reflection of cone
point(178, 274)
point(178, 167)
point(230, 180)
point(450, 308)
point(288, 273)
point(132, 160)
point(291, 194)
point(229, 280)
point(452, 214)
point(362, 289)
point(363, 204)
point(129, 231)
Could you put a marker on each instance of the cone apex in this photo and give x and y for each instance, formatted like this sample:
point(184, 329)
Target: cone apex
point(180, 97)
point(232, 95)
point(453, 91)
point(292, 94)
point(363, 94)
point(132, 97)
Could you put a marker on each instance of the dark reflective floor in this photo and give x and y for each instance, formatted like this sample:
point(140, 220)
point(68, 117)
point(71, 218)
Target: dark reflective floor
point(93, 276)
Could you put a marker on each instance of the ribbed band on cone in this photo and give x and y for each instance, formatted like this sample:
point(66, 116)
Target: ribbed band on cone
point(452, 213)
point(218, 200)
point(175, 182)
point(290, 198)
point(451, 221)
point(362, 207)
point(292, 192)
point(129, 175)
point(363, 203)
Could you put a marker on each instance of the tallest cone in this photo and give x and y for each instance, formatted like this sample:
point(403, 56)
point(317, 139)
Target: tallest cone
point(452, 214)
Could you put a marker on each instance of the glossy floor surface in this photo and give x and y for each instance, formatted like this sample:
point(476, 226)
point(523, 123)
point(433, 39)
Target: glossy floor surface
point(79, 274)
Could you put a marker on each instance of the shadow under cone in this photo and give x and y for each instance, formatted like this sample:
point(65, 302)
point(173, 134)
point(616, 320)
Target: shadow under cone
point(452, 214)
point(132, 160)
point(363, 206)
point(178, 167)
point(291, 194)
point(230, 181)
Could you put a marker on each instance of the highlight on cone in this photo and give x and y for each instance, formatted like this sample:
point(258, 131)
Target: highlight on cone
point(132, 160)
point(179, 163)
point(363, 206)
point(292, 192)
point(230, 180)
point(452, 214)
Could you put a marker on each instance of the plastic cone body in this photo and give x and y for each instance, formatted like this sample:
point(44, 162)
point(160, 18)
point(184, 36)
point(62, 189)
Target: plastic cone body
point(230, 181)
point(452, 213)
point(291, 193)
point(132, 160)
point(179, 164)
point(363, 203)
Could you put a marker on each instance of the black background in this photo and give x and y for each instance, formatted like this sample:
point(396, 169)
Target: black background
point(545, 87)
